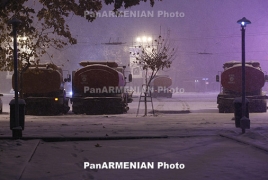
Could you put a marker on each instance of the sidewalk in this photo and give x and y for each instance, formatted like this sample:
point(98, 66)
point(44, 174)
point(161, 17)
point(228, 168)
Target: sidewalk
point(56, 147)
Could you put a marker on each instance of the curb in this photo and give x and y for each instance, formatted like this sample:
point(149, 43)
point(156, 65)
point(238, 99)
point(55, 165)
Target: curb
point(62, 139)
point(244, 142)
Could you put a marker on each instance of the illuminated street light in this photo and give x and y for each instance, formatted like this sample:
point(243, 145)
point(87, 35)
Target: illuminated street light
point(243, 22)
point(138, 39)
point(144, 39)
point(244, 122)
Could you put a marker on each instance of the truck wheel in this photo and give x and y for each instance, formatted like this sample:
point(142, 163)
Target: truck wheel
point(224, 109)
point(221, 110)
point(76, 111)
point(120, 111)
point(262, 107)
point(66, 109)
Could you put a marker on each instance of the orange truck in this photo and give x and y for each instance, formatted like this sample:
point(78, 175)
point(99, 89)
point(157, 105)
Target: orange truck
point(99, 88)
point(160, 86)
point(42, 88)
point(231, 86)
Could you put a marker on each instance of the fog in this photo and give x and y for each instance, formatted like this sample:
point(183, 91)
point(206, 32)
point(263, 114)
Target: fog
point(206, 37)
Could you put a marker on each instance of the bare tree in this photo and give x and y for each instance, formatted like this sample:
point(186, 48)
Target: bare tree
point(153, 58)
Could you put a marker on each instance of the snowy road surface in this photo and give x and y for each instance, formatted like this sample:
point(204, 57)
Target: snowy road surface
point(179, 103)
point(204, 102)
point(187, 130)
point(210, 157)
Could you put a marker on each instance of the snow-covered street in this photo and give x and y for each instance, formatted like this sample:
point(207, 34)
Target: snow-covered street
point(187, 129)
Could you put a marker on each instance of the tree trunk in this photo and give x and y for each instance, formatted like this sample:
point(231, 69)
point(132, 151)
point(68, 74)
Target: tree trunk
point(145, 93)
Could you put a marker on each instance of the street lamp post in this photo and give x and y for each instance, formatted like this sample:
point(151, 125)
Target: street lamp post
point(244, 122)
point(17, 130)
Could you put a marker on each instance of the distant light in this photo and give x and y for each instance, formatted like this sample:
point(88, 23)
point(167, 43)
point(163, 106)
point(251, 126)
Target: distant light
point(70, 93)
point(144, 39)
point(23, 38)
point(56, 99)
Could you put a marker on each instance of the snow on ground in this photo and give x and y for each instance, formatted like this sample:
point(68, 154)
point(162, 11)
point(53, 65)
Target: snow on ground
point(210, 157)
point(206, 141)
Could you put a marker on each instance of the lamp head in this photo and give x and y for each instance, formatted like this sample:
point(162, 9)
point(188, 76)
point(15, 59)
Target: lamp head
point(243, 22)
point(14, 21)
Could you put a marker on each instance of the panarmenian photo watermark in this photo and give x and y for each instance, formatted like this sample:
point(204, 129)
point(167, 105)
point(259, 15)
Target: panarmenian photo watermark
point(137, 89)
point(134, 165)
point(135, 14)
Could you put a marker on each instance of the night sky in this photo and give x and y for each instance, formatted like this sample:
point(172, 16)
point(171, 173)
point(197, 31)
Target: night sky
point(207, 36)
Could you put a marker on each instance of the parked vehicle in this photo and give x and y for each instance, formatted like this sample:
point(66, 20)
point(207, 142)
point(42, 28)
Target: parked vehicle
point(231, 82)
point(160, 86)
point(42, 88)
point(99, 88)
